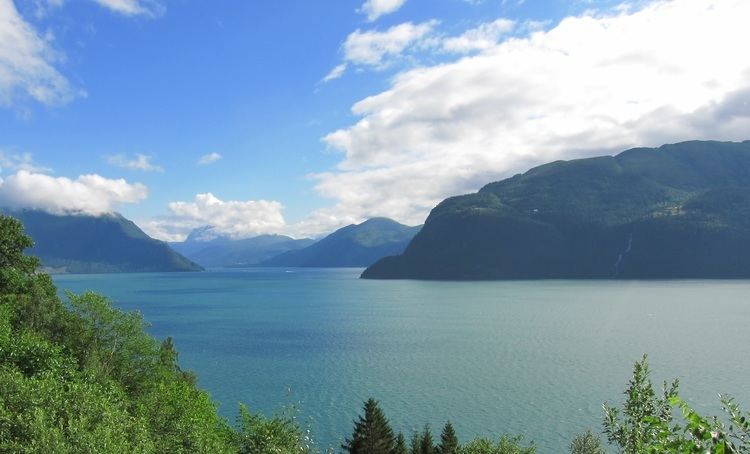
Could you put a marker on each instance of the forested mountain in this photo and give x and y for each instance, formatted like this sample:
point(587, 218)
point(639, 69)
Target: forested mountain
point(351, 246)
point(223, 251)
point(677, 211)
point(97, 244)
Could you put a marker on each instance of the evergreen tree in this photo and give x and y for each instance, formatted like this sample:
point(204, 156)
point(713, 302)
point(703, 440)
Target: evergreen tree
point(416, 440)
point(426, 444)
point(400, 446)
point(448, 440)
point(372, 433)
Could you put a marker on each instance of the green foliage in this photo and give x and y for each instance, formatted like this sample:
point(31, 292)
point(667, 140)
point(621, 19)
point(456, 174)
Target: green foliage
point(85, 377)
point(280, 434)
point(448, 440)
point(372, 432)
point(426, 444)
point(587, 443)
point(506, 445)
point(646, 423)
point(400, 445)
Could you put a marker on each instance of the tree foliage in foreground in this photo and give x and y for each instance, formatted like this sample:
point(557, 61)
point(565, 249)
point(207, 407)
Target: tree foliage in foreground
point(646, 423)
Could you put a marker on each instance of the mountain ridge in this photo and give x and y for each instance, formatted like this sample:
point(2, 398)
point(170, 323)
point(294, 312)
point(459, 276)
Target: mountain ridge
point(624, 216)
point(109, 243)
point(355, 245)
point(221, 251)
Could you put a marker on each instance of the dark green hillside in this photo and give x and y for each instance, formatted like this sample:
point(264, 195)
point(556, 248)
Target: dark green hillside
point(97, 244)
point(226, 252)
point(351, 246)
point(677, 211)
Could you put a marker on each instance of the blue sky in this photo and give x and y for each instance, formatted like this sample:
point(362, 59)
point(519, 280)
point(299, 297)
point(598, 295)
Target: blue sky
point(174, 81)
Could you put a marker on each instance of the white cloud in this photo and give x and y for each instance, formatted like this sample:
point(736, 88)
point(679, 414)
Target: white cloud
point(236, 219)
point(485, 36)
point(376, 8)
point(209, 158)
point(27, 63)
point(90, 194)
point(335, 73)
point(593, 84)
point(138, 162)
point(150, 8)
point(372, 47)
point(20, 161)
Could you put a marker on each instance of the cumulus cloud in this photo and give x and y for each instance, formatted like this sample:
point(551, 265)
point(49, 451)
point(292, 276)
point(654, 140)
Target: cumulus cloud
point(27, 62)
point(235, 219)
point(372, 47)
point(89, 194)
point(209, 158)
point(485, 36)
point(592, 84)
point(376, 8)
point(138, 162)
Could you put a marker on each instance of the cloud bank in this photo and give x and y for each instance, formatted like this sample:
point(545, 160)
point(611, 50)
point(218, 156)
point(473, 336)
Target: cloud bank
point(87, 194)
point(232, 218)
point(593, 84)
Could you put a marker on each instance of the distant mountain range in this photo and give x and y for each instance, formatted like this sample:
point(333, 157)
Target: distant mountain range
point(97, 244)
point(677, 211)
point(221, 251)
point(351, 246)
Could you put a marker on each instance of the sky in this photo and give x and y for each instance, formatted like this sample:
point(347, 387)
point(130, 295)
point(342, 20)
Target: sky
point(299, 117)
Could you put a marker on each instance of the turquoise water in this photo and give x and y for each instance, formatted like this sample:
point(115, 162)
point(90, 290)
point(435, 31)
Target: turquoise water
point(532, 358)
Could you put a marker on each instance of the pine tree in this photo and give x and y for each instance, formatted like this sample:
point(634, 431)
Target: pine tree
point(426, 444)
point(372, 433)
point(416, 440)
point(400, 446)
point(448, 440)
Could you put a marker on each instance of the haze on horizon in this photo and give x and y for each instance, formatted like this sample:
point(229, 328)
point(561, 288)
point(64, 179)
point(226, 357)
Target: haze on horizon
point(269, 119)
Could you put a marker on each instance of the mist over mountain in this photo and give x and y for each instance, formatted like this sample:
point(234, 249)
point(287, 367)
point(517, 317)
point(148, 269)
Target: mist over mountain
point(108, 243)
point(351, 246)
point(677, 211)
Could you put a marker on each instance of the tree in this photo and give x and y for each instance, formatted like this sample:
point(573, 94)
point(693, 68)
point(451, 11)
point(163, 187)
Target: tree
point(372, 432)
point(426, 444)
point(587, 443)
point(505, 445)
point(448, 440)
point(400, 446)
point(646, 423)
point(259, 434)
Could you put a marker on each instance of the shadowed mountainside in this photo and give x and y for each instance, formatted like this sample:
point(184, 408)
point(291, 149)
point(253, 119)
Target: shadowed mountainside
point(97, 244)
point(677, 211)
point(351, 246)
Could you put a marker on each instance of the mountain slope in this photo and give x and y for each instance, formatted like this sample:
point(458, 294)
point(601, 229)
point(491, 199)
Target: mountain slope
point(351, 246)
point(97, 244)
point(225, 252)
point(678, 211)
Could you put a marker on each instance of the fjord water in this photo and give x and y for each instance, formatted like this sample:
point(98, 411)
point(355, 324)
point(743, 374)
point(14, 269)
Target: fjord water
point(535, 358)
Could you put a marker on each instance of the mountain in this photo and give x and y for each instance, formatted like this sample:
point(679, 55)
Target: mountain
point(202, 247)
point(351, 246)
point(97, 244)
point(677, 211)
